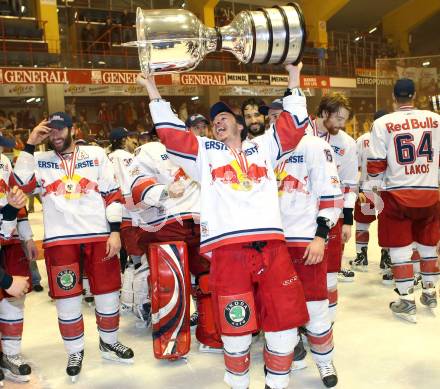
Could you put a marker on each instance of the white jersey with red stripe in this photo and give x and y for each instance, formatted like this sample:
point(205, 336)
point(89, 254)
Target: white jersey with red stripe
point(23, 230)
point(362, 146)
point(152, 161)
point(308, 187)
point(121, 160)
point(344, 148)
point(79, 192)
point(404, 154)
point(239, 200)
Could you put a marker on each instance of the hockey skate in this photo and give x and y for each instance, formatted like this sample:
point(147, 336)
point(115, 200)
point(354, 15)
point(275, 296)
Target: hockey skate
point(345, 275)
point(328, 374)
point(74, 364)
point(204, 348)
point(429, 297)
point(405, 307)
point(194, 320)
point(116, 352)
point(299, 356)
point(15, 368)
point(417, 280)
point(385, 259)
point(361, 261)
point(387, 277)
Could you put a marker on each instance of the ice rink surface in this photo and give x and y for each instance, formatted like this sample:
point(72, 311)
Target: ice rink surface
point(374, 350)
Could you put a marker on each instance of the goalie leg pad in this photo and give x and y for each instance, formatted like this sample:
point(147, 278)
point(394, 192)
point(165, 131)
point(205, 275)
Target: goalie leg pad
point(170, 299)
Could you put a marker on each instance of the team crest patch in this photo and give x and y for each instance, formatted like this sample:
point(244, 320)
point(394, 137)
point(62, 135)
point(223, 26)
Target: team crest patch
point(82, 155)
point(66, 279)
point(204, 231)
point(237, 313)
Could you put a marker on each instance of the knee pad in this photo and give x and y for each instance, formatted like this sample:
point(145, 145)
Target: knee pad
point(282, 341)
point(107, 303)
point(236, 344)
point(319, 316)
point(401, 254)
point(332, 281)
point(362, 226)
point(426, 251)
point(12, 308)
point(69, 308)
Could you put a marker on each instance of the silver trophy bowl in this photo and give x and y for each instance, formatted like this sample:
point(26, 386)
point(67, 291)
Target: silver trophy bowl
point(174, 40)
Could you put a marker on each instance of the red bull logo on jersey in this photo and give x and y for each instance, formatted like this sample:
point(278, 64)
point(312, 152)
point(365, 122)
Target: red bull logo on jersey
point(71, 188)
point(412, 124)
point(238, 179)
point(4, 188)
point(289, 184)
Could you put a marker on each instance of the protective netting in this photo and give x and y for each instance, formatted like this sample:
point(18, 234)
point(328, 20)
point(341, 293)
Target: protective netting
point(424, 71)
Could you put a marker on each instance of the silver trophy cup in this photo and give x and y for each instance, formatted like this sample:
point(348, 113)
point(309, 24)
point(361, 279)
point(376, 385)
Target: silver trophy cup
point(174, 40)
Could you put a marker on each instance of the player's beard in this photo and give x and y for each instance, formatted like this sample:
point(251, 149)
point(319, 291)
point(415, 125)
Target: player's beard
point(332, 130)
point(67, 143)
point(256, 131)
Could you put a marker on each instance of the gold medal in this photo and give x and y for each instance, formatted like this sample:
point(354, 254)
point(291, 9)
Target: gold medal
point(70, 186)
point(245, 182)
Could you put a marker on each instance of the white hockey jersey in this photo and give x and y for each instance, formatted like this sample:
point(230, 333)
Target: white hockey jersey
point(23, 230)
point(362, 146)
point(308, 187)
point(152, 161)
point(239, 201)
point(80, 194)
point(404, 154)
point(344, 148)
point(7, 229)
point(121, 160)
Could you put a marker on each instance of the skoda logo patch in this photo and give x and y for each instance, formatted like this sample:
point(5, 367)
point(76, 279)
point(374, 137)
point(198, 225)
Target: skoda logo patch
point(66, 279)
point(237, 313)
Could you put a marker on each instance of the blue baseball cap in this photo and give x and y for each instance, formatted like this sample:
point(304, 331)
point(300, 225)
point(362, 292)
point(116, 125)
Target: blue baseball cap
point(6, 142)
point(119, 133)
point(195, 119)
point(276, 104)
point(404, 87)
point(60, 120)
point(219, 107)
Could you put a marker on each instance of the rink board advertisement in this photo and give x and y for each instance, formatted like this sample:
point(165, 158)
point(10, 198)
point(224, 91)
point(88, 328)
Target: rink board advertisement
point(131, 90)
point(107, 82)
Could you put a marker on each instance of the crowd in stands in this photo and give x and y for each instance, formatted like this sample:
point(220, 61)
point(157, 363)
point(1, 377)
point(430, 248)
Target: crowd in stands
point(115, 30)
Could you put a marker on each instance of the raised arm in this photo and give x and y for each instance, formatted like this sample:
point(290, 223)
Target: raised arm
point(292, 123)
point(182, 145)
point(24, 170)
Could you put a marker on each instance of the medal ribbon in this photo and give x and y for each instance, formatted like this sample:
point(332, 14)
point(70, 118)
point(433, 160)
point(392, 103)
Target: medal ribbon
point(317, 133)
point(242, 161)
point(69, 169)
